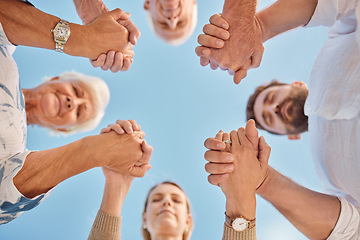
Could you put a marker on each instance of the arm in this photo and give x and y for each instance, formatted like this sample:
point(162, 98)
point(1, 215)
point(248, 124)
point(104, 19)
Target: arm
point(43, 170)
point(28, 26)
point(314, 214)
point(88, 10)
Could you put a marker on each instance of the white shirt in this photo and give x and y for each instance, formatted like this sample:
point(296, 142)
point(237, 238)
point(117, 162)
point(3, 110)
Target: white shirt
point(333, 107)
point(13, 135)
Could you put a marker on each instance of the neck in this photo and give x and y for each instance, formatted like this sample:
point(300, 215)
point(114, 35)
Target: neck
point(30, 106)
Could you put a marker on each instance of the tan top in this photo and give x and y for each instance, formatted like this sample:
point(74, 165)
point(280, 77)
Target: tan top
point(105, 227)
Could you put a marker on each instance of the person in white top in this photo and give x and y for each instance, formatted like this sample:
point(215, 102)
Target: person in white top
point(333, 119)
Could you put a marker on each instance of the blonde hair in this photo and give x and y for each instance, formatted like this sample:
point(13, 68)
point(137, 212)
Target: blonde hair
point(180, 40)
point(187, 233)
point(100, 94)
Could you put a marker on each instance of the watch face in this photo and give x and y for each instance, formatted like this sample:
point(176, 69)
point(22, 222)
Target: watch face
point(240, 224)
point(62, 32)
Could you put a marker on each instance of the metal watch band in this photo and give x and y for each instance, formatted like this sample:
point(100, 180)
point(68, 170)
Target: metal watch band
point(59, 44)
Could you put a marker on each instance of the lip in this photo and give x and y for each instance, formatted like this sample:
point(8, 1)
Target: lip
point(166, 211)
point(284, 111)
point(59, 106)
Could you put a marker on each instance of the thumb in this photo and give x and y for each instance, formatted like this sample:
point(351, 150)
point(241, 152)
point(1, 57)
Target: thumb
point(252, 134)
point(134, 33)
point(264, 151)
point(118, 14)
point(139, 171)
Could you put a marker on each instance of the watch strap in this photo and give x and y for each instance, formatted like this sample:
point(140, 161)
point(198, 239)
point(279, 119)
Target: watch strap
point(229, 221)
point(59, 43)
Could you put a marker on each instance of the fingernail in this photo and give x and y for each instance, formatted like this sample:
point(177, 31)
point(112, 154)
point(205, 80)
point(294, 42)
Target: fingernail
point(224, 25)
point(206, 51)
point(230, 168)
point(220, 145)
point(230, 157)
point(135, 40)
point(224, 35)
point(219, 43)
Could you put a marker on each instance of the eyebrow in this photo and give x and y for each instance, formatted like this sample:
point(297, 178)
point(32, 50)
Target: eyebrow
point(267, 97)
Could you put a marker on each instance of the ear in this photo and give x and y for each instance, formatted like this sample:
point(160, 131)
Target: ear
point(294, 136)
point(144, 219)
point(189, 221)
point(54, 78)
point(62, 130)
point(146, 4)
point(299, 84)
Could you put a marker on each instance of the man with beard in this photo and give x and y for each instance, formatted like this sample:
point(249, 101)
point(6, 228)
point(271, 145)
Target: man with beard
point(279, 108)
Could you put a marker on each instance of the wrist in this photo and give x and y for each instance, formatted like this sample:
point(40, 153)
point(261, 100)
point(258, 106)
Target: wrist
point(77, 44)
point(265, 186)
point(244, 205)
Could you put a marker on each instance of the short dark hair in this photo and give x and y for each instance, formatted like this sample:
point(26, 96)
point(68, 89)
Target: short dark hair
point(250, 104)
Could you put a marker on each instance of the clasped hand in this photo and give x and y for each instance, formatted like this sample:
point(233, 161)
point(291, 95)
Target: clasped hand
point(233, 44)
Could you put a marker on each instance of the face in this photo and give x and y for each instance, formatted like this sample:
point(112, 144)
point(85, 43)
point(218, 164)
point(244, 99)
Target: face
point(61, 104)
point(280, 109)
point(171, 18)
point(166, 212)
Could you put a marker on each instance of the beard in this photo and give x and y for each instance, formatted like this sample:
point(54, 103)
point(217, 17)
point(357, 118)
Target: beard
point(298, 121)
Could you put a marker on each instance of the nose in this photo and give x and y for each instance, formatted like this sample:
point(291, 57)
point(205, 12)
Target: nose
point(167, 201)
point(172, 22)
point(277, 108)
point(70, 103)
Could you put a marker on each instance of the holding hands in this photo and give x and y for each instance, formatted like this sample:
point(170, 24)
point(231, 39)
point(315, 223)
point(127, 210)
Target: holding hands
point(238, 163)
point(232, 43)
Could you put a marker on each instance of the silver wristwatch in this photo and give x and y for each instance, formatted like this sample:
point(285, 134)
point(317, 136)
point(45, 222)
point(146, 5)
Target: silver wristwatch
point(61, 35)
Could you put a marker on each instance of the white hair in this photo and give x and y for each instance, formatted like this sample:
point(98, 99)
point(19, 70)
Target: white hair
point(182, 39)
point(100, 95)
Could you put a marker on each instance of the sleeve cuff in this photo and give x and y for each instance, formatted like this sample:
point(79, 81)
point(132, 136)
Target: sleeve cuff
point(231, 234)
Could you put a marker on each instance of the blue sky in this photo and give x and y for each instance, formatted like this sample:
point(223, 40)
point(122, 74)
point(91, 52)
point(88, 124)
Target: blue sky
point(179, 104)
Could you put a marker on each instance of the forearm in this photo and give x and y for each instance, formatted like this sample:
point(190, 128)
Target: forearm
point(88, 10)
point(44, 170)
point(244, 205)
point(26, 25)
point(314, 214)
point(285, 15)
point(113, 199)
point(243, 10)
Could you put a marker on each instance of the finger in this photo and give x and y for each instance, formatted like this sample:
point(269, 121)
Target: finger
point(216, 32)
point(99, 61)
point(244, 141)
point(109, 60)
point(117, 128)
point(126, 125)
point(256, 58)
point(214, 144)
point(147, 151)
point(219, 168)
point(218, 157)
point(139, 171)
point(105, 130)
point(210, 41)
point(239, 75)
point(135, 125)
point(223, 68)
point(140, 134)
point(204, 61)
point(226, 137)
point(236, 144)
point(127, 64)
point(134, 33)
point(202, 51)
point(218, 21)
point(217, 179)
point(118, 14)
point(118, 62)
point(252, 134)
point(219, 135)
point(129, 54)
point(264, 151)
point(213, 65)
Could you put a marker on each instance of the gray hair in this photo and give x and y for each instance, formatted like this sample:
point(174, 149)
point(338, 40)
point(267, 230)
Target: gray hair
point(182, 39)
point(100, 94)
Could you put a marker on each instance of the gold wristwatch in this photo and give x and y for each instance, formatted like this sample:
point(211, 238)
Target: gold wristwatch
point(61, 35)
point(239, 224)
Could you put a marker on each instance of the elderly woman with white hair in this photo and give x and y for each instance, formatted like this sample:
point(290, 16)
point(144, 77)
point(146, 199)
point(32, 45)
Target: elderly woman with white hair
point(68, 103)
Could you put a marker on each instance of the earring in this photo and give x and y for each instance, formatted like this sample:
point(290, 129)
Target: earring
point(144, 226)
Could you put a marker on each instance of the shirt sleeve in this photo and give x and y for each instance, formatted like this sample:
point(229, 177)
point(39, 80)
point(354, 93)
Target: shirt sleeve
point(12, 202)
point(230, 234)
point(105, 227)
point(3, 38)
point(348, 224)
point(327, 12)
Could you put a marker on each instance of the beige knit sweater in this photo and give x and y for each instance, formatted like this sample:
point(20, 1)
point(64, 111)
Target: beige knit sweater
point(107, 227)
